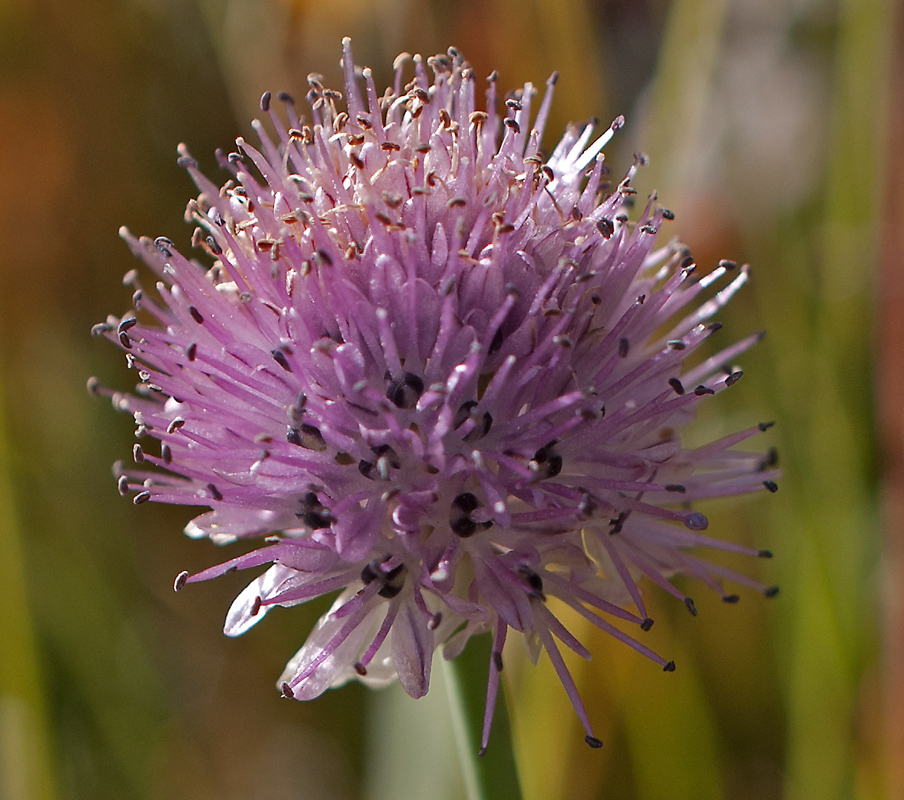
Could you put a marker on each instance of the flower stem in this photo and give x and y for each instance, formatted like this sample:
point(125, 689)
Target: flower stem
point(495, 774)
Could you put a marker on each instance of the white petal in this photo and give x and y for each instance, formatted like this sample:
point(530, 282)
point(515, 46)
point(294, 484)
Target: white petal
point(337, 667)
point(412, 649)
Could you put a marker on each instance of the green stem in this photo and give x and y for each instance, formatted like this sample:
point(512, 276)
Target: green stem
point(494, 774)
point(466, 754)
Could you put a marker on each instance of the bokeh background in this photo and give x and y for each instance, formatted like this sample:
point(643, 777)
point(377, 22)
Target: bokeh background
point(775, 131)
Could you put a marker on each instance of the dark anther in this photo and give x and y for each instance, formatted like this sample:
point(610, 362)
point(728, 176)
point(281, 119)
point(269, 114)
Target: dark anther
point(191, 351)
point(726, 264)
point(687, 261)
point(606, 227)
point(496, 344)
point(533, 580)
point(179, 583)
point(765, 554)
point(389, 591)
point(125, 341)
point(265, 102)
point(667, 214)
point(405, 393)
point(772, 486)
point(390, 582)
point(306, 436)
point(386, 459)
point(464, 413)
point(127, 324)
point(690, 606)
point(770, 460)
point(618, 523)
point(360, 668)
point(214, 492)
point(137, 454)
point(177, 423)
point(100, 329)
point(482, 423)
point(595, 743)
point(313, 513)
point(733, 377)
point(696, 521)
point(434, 621)
point(549, 462)
point(676, 344)
point(497, 660)
point(122, 485)
point(669, 667)
point(195, 314)
point(166, 454)
point(701, 390)
point(466, 502)
point(141, 497)
point(256, 606)
point(482, 428)
point(623, 346)
point(675, 487)
point(369, 573)
point(460, 517)
point(772, 591)
point(280, 358)
point(730, 598)
point(163, 245)
point(765, 426)
point(677, 385)
point(286, 690)
point(646, 624)
point(214, 247)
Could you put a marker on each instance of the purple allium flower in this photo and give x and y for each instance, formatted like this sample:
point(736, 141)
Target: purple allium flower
point(442, 373)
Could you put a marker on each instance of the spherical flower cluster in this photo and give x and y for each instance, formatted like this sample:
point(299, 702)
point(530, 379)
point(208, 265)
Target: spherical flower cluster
point(442, 373)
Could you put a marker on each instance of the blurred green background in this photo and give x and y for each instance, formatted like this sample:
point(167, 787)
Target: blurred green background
point(775, 132)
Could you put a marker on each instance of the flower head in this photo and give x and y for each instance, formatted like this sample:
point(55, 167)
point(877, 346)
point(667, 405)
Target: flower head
point(442, 373)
